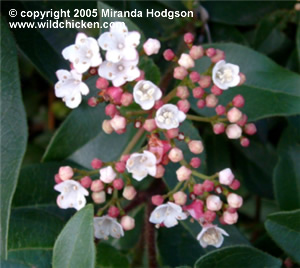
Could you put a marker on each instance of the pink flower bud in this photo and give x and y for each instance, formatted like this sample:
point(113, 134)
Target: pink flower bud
point(234, 115)
point(141, 77)
point(129, 192)
point(157, 200)
point(158, 104)
point(195, 162)
point(226, 176)
point(65, 173)
point(198, 189)
point(175, 155)
point(243, 120)
point(186, 61)
point(97, 186)
point(242, 79)
point(220, 110)
point(120, 167)
point(195, 146)
point(219, 128)
point(233, 131)
point(96, 163)
point(196, 52)
point(188, 38)
point(194, 76)
point(118, 184)
point(102, 83)
point(245, 142)
point(172, 133)
point(183, 173)
point(250, 129)
point(234, 200)
point(201, 104)
point(180, 198)
point(211, 100)
point(118, 122)
point(149, 125)
point(57, 179)
point(115, 93)
point(238, 101)
point(204, 81)
point(231, 210)
point(160, 171)
point(111, 110)
point(128, 223)
point(106, 127)
point(198, 92)
point(151, 46)
point(195, 209)
point(230, 218)
point(99, 197)
point(235, 185)
point(208, 186)
point(168, 54)
point(180, 73)
point(214, 203)
point(86, 181)
point(209, 216)
point(113, 212)
point(125, 157)
point(182, 92)
point(216, 91)
point(220, 55)
point(126, 99)
point(92, 102)
point(184, 105)
point(210, 52)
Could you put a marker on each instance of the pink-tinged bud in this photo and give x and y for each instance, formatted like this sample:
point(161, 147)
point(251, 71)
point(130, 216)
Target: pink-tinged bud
point(141, 77)
point(194, 76)
point(234, 200)
point(96, 163)
point(118, 122)
point(129, 192)
point(86, 182)
point(226, 176)
point(220, 55)
point(99, 197)
point(198, 189)
point(230, 218)
point(65, 173)
point(219, 189)
point(106, 127)
point(231, 210)
point(126, 99)
point(198, 92)
point(216, 90)
point(92, 102)
point(166, 146)
point(182, 92)
point(165, 160)
point(234, 115)
point(168, 55)
point(160, 171)
point(113, 212)
point(118, 184)
point(238, 101)
point(125, 157)
point(211, 101)
point(220, 110)
point(195, 209)
point(196, 147)
point(250, 129)
point(102, 83)
point(245, 142)
point(121, 131)
point(109, 190)
point(209, 216)
point(158, 104)
point(181, 136)
point(208, 186)
point(128, 223)
point(115, 93)
point(137, 124)
point(184, 105)
point(188, 38)
point(57, 179)
point(183, 173)
point(204, 81)
point(233, 131)
point(219, 128)
point(120, 167)
point(180, 198)
point(175, 155)
point(235, 185)
point(186, 61)
point(221, 220)
point(195, 162)
point(97, 186)
point(242, 79)
point(201, 104)
point(111, 110)
point(149, 125)
point(196, 52)
point(157, 200)
point(210, 52)
point(180, 73)
point(214, 203)
point(243, 120)
point(172, 133)
point(151, 46)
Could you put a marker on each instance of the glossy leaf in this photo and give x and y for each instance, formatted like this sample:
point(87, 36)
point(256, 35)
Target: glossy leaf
point(108, 256)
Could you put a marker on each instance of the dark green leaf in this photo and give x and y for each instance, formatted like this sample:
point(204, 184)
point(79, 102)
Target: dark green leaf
point(298, 44)
point(13, 128)
point(13, 264)
point(151, 70)
point(108, 256)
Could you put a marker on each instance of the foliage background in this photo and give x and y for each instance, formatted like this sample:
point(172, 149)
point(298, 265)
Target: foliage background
point(39, 134)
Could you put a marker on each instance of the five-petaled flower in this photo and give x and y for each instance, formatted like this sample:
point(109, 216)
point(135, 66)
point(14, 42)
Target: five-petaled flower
point(168, 116)
point(211, 235)
point(106, 226)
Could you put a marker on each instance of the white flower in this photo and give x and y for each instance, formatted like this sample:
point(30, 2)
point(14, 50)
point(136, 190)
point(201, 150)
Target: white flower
point(225, 75)
point(119, 72)
point(145, 93)
point(168, 214)
point(70, 87)
point(119, 43)
point(151, 46)
point(140, 165)
point(168, 116)
point(83, 54)
point(186, 61)
point(107, 174)
point(107, 226)
point(211, 235)
point(71, 194)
